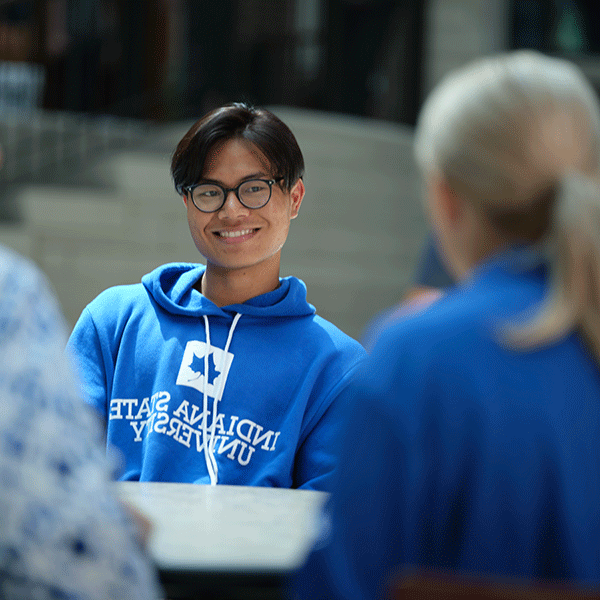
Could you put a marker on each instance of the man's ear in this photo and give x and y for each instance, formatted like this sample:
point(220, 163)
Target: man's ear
point(296, 195)
point(185, 199)
point(449, 203)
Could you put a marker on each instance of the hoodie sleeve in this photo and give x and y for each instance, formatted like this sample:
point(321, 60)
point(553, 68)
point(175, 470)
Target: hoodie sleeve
point(88, 357)
point(316, 461)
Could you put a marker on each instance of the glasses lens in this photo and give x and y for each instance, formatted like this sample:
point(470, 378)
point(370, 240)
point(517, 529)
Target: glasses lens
point(255, 193)
point(208, 197)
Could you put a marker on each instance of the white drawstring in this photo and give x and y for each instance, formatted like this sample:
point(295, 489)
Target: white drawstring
point(211, 461)
point(207, 454)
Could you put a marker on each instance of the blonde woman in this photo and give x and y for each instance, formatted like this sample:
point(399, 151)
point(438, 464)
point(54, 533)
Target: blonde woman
point(472, 443)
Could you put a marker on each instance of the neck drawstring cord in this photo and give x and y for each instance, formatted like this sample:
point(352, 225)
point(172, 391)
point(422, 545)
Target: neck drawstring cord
point(209, 457)
point(207, 454)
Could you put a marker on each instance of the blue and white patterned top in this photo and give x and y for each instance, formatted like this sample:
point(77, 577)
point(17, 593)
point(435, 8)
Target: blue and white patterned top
point(62, 534)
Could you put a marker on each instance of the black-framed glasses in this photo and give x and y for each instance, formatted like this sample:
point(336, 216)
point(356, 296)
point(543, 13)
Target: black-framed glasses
point(210, 197)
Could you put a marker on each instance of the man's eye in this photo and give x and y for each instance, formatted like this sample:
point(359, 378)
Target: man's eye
point(207, 193)
point(254, 189)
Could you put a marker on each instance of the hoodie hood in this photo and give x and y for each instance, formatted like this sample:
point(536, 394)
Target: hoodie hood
point(172, 287)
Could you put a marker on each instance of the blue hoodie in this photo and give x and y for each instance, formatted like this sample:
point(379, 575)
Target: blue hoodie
point(461, 453)
point(243, 394)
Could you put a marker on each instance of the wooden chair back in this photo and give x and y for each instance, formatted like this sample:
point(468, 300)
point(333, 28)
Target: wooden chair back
point(438, 585)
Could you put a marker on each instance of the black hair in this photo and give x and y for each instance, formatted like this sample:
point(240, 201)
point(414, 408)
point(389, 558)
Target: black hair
point(259, 126)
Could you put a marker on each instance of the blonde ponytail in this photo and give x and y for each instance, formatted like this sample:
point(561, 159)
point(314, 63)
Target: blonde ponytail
point(573, 244)
point(518, 136)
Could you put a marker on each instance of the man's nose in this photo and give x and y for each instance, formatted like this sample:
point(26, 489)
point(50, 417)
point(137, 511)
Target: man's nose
point(232, 206)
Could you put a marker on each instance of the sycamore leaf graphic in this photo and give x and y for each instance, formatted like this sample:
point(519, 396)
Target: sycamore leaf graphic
point(197, 366)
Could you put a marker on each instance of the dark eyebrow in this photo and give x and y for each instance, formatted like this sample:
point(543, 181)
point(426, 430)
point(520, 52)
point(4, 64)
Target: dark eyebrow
point(259, 175)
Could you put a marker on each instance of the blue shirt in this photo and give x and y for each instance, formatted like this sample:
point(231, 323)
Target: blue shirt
point(461, 453)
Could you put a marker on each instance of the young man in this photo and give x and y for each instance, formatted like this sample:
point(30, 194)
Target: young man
point(222, 373)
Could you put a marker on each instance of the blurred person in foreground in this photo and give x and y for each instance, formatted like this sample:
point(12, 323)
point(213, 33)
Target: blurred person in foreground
point(222, 373)
point(471, 447)
point(62, 533)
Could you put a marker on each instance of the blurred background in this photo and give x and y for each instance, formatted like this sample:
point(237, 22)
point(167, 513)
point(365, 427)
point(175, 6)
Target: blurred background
point(95, 95)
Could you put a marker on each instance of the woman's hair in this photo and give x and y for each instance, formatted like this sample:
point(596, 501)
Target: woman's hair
point(256, 125)
point(518, 135)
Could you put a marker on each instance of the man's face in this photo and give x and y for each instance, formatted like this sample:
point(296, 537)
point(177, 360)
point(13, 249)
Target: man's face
point(236, 237)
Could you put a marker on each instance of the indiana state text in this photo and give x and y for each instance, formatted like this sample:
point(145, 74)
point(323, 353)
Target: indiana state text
point(236, 437)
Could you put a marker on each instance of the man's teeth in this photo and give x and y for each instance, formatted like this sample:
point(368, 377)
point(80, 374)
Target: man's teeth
point(231, 234)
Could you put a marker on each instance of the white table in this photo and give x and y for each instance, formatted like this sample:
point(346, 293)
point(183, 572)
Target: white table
point(216, 535)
